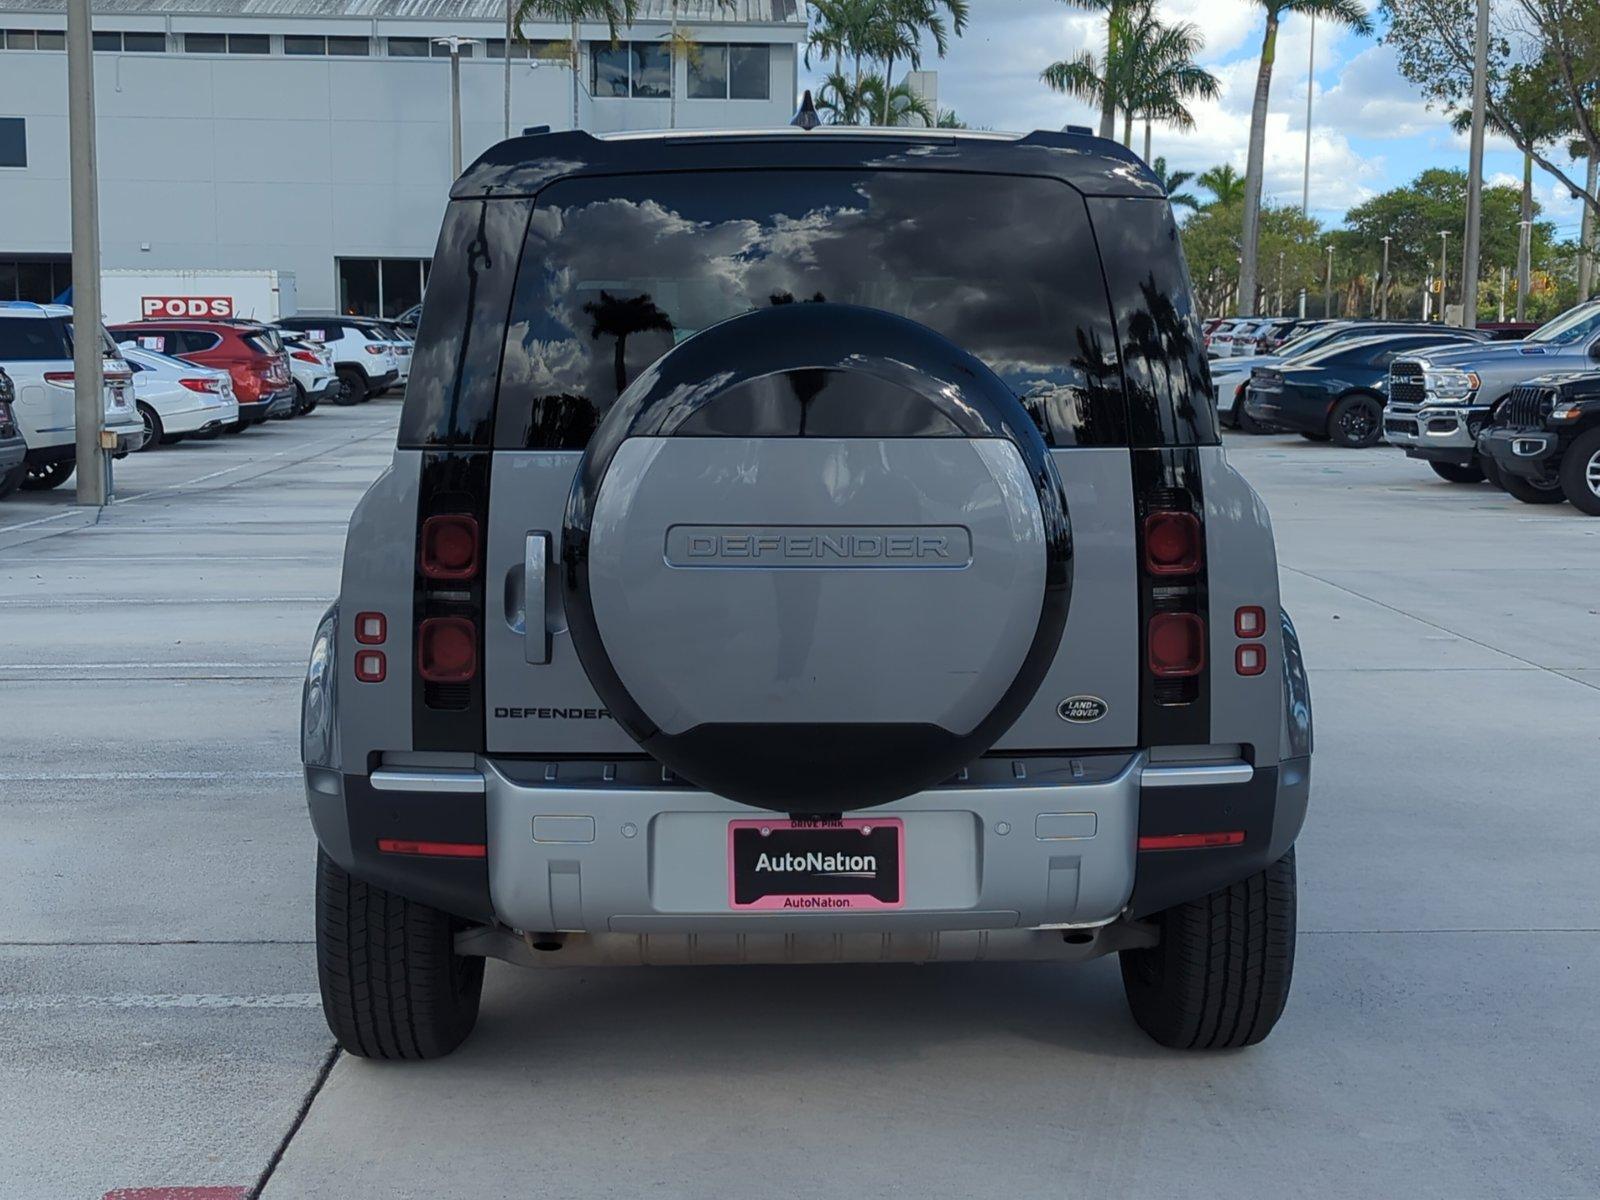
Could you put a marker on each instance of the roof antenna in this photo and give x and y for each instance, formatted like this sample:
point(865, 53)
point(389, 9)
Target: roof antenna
point(806, 116)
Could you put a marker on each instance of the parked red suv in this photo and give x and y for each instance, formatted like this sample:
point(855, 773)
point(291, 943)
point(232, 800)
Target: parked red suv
point(250, 352)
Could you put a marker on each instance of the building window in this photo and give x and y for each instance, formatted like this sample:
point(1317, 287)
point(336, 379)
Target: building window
point(440, 50)
point(412, 47)
point(608, 69)
point(13, 146)
point(730, 72)
point(543, 51)
point(227, 43)
point(301, 44)
point(40, 280)
point(144, 43)
point(34, 39)
point(496, 48)
point(349, 47)
point(639, 69)
point(381, 287)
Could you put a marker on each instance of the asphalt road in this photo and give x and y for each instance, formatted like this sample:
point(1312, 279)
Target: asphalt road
point(157, 992)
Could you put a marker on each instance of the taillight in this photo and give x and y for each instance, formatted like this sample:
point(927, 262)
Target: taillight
point(433, 849)
point(306, 356)
point(1176, 644)
point(1171, 543)
point(59, 378)
point(375, 349)
point(447, 650)
point(1250, 658)
point(211, 386)
point(371, 628)
point(1250, 621)
point(1192, 841)
point(450, 547)
point(370, 666)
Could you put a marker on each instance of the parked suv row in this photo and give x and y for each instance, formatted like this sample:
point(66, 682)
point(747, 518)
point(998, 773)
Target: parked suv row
point(366, 355)
point(251, 353)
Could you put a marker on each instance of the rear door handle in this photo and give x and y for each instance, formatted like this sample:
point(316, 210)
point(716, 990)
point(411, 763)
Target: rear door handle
point(535, 575)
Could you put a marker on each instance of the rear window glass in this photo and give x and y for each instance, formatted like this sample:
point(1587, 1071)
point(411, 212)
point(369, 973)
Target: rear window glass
point(25, 339)
point(615, 272)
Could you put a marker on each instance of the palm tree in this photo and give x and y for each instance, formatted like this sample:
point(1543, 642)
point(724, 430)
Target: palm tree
point(902, 24)
point(841, 28)
point(1349, 13)
point(1171, 183)
point(574, 12)
point(1164, 76)
point(1105, 97)
point(946, 119)
point(1224, 183)
point(846, 101)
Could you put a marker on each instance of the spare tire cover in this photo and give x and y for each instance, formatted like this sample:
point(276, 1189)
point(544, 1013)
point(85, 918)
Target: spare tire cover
point(816, 558)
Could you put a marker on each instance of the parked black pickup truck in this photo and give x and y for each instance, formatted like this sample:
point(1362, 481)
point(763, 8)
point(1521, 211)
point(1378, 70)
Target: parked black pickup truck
point(1543, 441)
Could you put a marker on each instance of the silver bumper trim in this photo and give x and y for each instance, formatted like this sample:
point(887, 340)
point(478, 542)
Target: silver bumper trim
point(458, 783)
point(1198, 775)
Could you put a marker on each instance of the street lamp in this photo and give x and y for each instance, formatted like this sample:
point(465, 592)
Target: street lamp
point(455, 44)
point(1327, 299)
point(1383, 279)
point(1444, 241)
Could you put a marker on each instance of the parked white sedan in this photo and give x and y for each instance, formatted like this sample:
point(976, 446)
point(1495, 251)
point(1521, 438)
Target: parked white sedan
point(177, 399)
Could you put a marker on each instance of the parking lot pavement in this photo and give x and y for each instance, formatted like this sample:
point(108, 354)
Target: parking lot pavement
point(156, 987)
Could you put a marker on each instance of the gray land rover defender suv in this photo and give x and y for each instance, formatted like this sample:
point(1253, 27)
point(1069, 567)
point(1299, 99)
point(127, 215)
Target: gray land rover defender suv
point(806, 546)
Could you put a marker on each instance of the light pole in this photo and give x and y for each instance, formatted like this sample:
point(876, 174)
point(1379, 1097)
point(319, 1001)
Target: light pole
point(1383, 277)
point(455, 44)
point(1444, 241)
point(1280, 283)
point(88, 355)
point(1327, 298)
point(1469, 249)
point(1586, 234)
point(1524, 265)
point(509, 34)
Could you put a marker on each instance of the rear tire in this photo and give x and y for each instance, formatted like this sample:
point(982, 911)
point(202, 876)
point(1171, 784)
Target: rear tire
point(1528, 491)
point(50, 475)
point(154, 434)
point(355, 384)
point(393, 986)
point(1356, 422)
point(1220, 976)
point(1580, 473)
point(1456, 473)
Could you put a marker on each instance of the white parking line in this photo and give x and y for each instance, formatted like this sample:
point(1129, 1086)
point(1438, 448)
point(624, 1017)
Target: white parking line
point(138, 776)
point(147, 665)
point(159, 1000)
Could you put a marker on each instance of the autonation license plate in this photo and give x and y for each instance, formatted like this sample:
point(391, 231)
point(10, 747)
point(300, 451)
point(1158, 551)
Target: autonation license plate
point(800, 866)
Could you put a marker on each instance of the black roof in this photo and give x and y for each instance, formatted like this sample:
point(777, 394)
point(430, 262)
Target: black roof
point(520, 166)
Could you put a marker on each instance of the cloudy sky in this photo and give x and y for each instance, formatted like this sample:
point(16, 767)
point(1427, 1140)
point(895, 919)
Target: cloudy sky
point(1370, 128)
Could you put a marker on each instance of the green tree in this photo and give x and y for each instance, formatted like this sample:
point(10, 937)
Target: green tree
point(844, 100)
point(1071, 73)
point(1349, 13)
point(1172, 183)
point(612, 12)
point(1225, 185)
point(1291, 254)
point(1162, 77)
point(905, 22)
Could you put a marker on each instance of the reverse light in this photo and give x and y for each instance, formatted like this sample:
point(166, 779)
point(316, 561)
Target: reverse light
point(1176, 645)
point(1250, 658)
point(1192, 841)
point(1249, 621)
point(370, 666)
point(1171, 543)
point(447, 650)
point(450, 547)
point(371, 628)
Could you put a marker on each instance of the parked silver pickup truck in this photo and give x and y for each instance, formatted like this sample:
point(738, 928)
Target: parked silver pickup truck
point(1440, 400)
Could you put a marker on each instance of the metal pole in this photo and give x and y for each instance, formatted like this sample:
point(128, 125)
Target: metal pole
point(1311, 78)
point(1444, 241)
point(1280, 283)
point(509, 33)
point(1586, 234)
point(455, 109)
point(88, 354)
point(1327, 299)
point(1503, 293)
point(1524, 265)
point(1469, 251)
point(1384, 276)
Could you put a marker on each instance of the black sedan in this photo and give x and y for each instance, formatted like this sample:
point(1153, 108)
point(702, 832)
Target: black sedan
point(1337, 393)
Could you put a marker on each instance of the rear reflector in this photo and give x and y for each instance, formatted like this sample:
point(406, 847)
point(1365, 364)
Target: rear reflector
point(1176, 645)
point(433, 849)
point(1250, 621)
point(450, 547)
point(1250, 659)
point(370, 666)
point(1171, 543)
point(1192, 841)
point(447, 650)
point(371, 628)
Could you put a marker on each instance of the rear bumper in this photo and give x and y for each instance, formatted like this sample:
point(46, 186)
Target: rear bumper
point(1058, 850)
point(12, 452)
point(1287, 408)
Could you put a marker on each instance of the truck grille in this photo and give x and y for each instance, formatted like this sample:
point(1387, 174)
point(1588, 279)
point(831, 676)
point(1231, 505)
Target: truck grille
point(1405, 382)
point(1527, 406)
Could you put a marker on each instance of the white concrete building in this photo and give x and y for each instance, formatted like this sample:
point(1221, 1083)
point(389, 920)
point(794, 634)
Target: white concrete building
point(313, 136)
